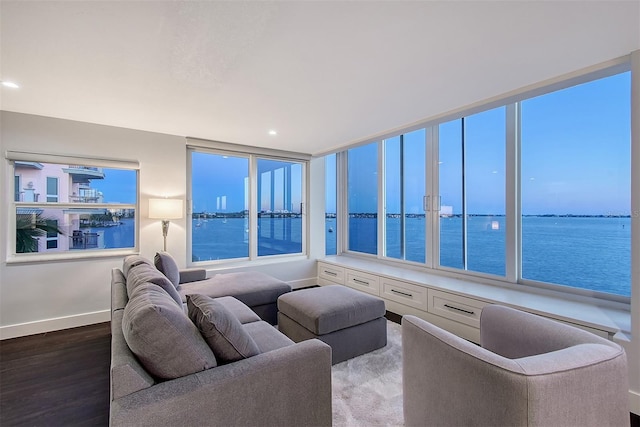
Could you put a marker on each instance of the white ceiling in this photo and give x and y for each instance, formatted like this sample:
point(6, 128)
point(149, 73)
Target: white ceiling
point(323, 74)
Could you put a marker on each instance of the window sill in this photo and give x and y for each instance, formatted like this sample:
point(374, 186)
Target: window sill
point(614, 318)
point(217, 266)
point(67, 256)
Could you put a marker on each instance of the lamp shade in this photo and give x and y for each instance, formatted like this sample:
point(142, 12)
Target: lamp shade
point(165, 208)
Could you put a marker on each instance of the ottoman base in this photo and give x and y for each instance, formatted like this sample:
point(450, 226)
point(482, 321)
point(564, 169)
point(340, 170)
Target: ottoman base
point(345, 343)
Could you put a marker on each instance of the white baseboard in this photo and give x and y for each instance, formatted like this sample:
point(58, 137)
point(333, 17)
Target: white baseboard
point(303, 283)
point(634, 402)
point(56, 324)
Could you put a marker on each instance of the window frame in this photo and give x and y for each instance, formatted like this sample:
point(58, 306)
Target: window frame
point(513, 248)
point(11, 157)
point(253, 154)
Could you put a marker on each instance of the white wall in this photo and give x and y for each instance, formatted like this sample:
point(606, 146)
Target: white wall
point(38, 297)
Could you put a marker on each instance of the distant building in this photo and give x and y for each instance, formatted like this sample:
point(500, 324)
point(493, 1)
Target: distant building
point(53, 183)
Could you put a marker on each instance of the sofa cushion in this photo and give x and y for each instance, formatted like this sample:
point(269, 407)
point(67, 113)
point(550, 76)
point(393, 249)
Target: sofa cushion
point(253, 288)
point(167, 265)
point(145, 273)
point(220, 329)
point(161, 335)
point(266, 336)
point(241, 312)
point(132, 261)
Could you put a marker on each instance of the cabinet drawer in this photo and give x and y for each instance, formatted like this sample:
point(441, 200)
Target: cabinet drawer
point(455, 307)
point(363, 282)
point(405, 293)
point(331, 272)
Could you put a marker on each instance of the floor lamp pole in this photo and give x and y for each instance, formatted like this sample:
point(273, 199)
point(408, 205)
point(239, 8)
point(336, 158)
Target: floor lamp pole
point(165, 230)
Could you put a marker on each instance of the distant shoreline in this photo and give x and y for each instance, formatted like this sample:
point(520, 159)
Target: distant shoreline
point(208, 215)
point(397, 215)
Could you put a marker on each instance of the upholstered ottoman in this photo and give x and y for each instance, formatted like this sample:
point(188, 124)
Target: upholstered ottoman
point(351, 322)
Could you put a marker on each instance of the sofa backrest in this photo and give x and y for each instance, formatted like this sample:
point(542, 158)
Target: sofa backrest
point(127, 374)
point(119, 296)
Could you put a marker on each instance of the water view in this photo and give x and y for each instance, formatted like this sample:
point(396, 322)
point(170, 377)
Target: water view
point(585, 252)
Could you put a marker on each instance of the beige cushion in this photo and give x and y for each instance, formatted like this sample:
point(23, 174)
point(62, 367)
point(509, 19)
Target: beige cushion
point(220, 329)
point(161, 335)
point(167, 265)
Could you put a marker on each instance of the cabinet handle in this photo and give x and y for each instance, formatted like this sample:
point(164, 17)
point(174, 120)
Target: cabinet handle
point(330, 273)
point(361, 282)
point(459, 309)
point(406, 294)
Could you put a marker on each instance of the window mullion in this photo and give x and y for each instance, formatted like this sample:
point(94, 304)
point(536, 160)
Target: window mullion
point(382, 210)
point(512, 182)
point(403, 240)
point(432, 227)
point(253, 207)
point(342, 214)
point(465, 264)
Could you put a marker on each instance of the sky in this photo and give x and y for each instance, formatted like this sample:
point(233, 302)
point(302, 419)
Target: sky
point(575, 160)
point(216, 176)
point(118, 185)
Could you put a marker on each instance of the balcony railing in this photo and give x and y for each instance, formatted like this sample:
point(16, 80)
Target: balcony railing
point(88, 168)
point(80, 240)
point(84, 199)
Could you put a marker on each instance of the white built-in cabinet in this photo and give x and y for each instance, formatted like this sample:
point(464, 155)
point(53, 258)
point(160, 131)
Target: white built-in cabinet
point(454, 304)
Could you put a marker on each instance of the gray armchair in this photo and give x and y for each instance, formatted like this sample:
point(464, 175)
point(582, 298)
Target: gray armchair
point(528, 371)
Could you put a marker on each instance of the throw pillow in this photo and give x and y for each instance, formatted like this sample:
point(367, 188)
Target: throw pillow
point(221, 329)
point(167, 265)
point(133, 261)
point(161, 335)
point(145, 273)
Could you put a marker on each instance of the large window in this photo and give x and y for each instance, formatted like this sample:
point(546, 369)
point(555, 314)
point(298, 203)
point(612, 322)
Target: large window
point(280, 207)
point(472, 190)
point(362, 184)
point(576, 194)
point(405, 181)
point(240, 214)
point(220, 194)
point(535, 192)
point(52, 216)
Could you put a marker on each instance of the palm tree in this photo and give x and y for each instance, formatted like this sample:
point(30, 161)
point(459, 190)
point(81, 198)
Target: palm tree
point(29, 227)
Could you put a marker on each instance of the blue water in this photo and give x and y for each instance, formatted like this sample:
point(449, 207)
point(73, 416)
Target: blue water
point(220, 238)
point(589, 253)
point(121, 236)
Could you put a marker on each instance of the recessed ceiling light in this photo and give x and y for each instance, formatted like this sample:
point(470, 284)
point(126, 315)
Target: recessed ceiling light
point(273, 132)
point(12, 85)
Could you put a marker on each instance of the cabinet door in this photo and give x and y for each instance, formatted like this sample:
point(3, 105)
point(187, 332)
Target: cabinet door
point(405, 293)
point(363, 282)
point(455, 307)
point(331, 273)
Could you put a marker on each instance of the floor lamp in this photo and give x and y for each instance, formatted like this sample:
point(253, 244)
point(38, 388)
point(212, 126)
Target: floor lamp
point(165, 209)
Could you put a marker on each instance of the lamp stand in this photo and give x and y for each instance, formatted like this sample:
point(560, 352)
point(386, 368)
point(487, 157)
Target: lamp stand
point(165, 230)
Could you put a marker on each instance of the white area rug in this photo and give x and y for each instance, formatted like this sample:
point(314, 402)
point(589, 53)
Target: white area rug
point(367, 390)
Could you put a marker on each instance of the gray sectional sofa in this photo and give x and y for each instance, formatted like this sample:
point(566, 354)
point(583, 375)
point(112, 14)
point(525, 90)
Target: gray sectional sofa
point(166, 369)
point(257, 290)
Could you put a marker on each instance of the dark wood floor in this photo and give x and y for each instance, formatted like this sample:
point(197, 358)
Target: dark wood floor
point(62, 378)
point(56, 379)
